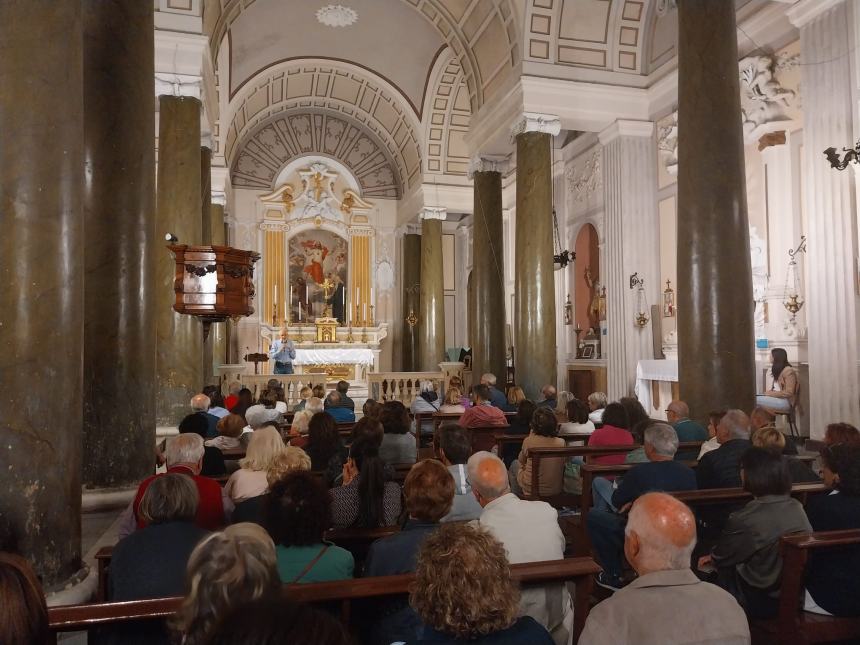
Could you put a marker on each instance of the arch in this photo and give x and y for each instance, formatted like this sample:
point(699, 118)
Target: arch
point(447, 116)
point(288, 136)
point(587, 248)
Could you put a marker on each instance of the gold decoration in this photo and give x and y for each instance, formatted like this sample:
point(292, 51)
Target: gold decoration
point(411, 319)
point(288, 198)
point(348, 202)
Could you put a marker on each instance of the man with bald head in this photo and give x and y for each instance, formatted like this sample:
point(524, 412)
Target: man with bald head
point(549, 394)
point(721, 468)
point(667, 603)
point(530, 533)
point(200, 404)
point(678, 414)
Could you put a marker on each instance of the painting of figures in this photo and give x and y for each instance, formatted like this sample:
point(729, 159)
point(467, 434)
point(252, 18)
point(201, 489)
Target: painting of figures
point(318, 274)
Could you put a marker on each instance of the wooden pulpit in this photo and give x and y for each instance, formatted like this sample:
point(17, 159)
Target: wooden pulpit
point(213, 283)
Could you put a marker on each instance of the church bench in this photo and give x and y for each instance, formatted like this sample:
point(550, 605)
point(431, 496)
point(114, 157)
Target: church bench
point(793, 625)
point(579, 571)
point(452, 417)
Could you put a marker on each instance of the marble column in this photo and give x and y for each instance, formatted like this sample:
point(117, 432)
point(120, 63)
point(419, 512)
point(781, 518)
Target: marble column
point(534, 280)
point(119, 202)
point(488, 276)
point(715, 301)
point(206, 239)
point(831, 211)
point(431, 319)
point(218, 331)
point(42, 269)
point(633, 246)
point(179, 344)
point(411, 299)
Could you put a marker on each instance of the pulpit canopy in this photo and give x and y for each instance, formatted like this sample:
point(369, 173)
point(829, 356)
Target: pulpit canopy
point(213, 283)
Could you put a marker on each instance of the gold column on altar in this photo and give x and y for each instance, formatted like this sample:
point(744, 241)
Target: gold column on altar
point(274, 309)
point(360, 288)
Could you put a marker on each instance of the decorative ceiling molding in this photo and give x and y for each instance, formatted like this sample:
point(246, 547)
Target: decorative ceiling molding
point(285, 137)
point(316, 85)
point(593, 34)
point(483, 34)
point(447, 116)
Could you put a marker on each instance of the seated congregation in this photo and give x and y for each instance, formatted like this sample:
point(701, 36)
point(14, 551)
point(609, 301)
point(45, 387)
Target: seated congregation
point(686, 523)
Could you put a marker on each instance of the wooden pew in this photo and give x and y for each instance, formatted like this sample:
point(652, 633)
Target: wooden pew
point(793, 625)
point(580, 571)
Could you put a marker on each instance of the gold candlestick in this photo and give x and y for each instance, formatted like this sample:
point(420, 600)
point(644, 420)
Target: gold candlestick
point(364, 334)
point(349, 337)
point(371, 323)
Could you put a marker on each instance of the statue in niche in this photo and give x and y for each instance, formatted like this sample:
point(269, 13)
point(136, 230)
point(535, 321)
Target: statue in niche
point(758, 263)
point(594, 307)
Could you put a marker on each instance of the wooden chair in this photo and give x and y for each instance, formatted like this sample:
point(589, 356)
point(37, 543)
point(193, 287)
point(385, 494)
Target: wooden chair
point(793, 625)
point(579, 571)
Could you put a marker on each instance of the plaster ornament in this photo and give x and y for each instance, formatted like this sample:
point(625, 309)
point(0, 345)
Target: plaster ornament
point(667, 142)
point(760, 278)
point(765, 95)
point(582, 183)
point(384, 275)
point(337, 15)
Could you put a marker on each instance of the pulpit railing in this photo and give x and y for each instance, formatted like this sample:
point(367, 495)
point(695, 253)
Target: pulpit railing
point(402, 386)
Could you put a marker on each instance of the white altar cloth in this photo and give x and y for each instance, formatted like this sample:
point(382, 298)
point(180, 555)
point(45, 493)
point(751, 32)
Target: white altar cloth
point(334, 356)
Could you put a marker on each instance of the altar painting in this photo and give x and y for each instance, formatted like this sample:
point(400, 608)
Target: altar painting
point(317, 265)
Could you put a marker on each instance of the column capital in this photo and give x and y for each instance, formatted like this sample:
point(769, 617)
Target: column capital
point(806, 11)
point(433, 212)
point(178, 85)
point(536, 122)
point(626, 128)
point(219, 198)
point(360, 231)
point(487, 163)
point(665, 6)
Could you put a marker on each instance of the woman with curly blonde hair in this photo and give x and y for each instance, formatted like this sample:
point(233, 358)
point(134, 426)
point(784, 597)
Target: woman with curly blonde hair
point(463, 591)
point(250, 480)
point(232, 566)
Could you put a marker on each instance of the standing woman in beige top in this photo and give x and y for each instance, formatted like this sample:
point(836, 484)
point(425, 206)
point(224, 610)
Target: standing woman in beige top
point(543, 434)
point(782, 397)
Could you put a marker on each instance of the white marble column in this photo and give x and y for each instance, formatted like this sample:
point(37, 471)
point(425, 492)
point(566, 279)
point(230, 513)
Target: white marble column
point(831, 302)
point(632, 245)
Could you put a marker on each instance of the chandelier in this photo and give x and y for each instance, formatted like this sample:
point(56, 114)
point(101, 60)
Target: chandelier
point(561, 256)
point(792, 298)
point(641, 318)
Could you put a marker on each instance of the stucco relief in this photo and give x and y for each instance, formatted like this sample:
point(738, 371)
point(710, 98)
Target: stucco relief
point(667, 142)
point(584, 179)
point(766, 99)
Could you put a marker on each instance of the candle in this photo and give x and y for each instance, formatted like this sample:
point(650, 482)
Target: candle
point(371, 295)
point(357, 295)
point(364, 312)
point(300, 311)
point(276, 294)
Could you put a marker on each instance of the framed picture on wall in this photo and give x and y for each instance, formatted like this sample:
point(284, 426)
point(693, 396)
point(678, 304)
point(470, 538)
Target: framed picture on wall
point(588, 351)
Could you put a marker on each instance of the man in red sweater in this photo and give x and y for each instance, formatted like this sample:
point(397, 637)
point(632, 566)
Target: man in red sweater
point(482, 413)
point(184, 455)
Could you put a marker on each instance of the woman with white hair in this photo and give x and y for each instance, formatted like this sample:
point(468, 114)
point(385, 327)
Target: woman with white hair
point(597, 401)
point(232, 566)
point(427, 401)
point(300, 428)
point(250, 480)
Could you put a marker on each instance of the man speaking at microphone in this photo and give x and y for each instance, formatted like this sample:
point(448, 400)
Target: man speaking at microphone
point(283, 352)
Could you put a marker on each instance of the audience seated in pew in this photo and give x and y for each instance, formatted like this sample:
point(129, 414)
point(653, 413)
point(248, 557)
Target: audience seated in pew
point(614, 432)
point(245, 399)
point(453, 402)
point(325, 447)
point(543, 434)
point(516, 395)
point(763, 419)
point(275, 619)
point(520, 423)
point(637, 455)
point(216, 401)
point(256, 417)
point(428, 493)
point(304, 394)
point(229, 567)
point(720, 468)
point(250, 480)
point(340, 413)
point(577, 419)
point(23, 612)
point(714, 418)
point(562, 399)
point(841, 433)
point(597, 402)
point(746, 556)
point(666, 603)
point(365, 499)
point(772, 439)
point(298, 435)
point(200, 406)
point(463, 592)
point(372, 409)
point(184, 455)
point(297, 514)
point(213, 460)
point(229, 432)
point(606, 522)
point(251, 509)
point(483, 413)
point(269, 401)
point(276, 388)
point(341, 388)
point(678, 416)
point(833, 576)
point(398, 444)
point(453, 448)
point(427, 402)
point(232, 397)
point(529, 532)
point(495, 396)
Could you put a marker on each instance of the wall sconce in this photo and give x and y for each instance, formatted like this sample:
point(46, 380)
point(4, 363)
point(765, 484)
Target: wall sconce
point(561, 257)
point(792, 298)
point(668, 301)
point(568, 311)
point(641, 319)
point(850, 154)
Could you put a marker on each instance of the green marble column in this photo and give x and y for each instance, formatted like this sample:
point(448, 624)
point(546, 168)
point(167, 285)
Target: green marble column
point(431, 319)
point(179, 357)
point(206, 227)
point(119, 208)
point(218, 331)
point(534, 282)
point(42, 272)
point(488, 275)
point(411, 300)
point(715, 302)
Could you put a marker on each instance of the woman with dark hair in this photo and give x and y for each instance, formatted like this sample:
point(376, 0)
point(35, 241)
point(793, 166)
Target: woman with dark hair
point(372, 409)
point(325, 446)
point(782, 396)
point(521, 423)
point(841, 433)
point(398, 444)
point(714, 418)
point(278, 620)
point(635, 412)
point(246, 400)
point(365, 500)
point(577, 419)
point(23, 613)
point(544, 434)
point(297, 515)
point(614, 432)
point(833, 575)
point(746, 555)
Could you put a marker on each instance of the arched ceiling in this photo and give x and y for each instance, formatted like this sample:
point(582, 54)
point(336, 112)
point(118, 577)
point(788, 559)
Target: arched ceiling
point(284, 137)
point(346, 91)
point(447, 116)
point(395, 39)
